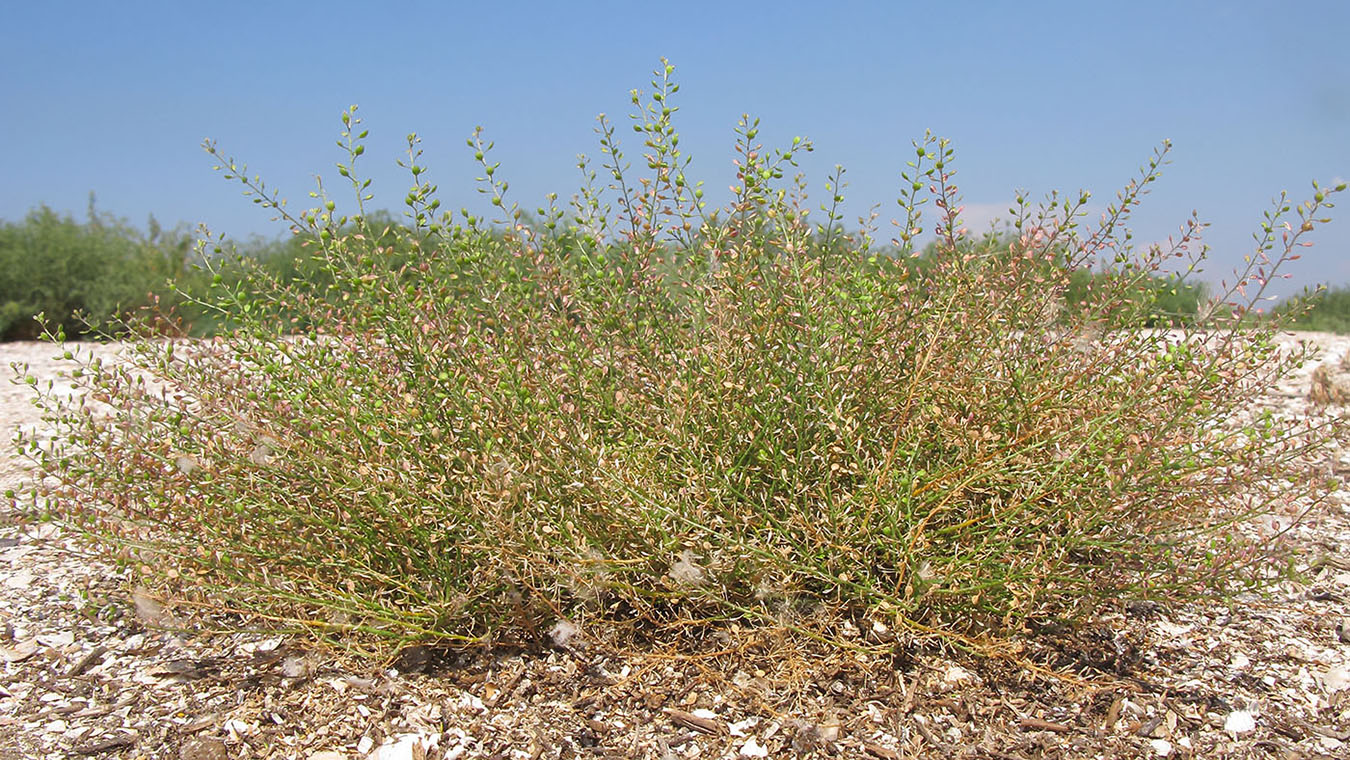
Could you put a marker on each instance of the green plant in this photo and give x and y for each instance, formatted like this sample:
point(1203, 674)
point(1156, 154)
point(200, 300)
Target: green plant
point(73, 273)
point(1325, 310)
point(644, 411)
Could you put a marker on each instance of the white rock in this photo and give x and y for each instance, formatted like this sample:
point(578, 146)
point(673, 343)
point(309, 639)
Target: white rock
point(76, 734)
point(1337, 678)
point(1239, 722)
point(468, 701)
point(752, 748)
point(957, 674)
point(19, 652)
point(328, 754)
point(58, 640)
point(19, 580)
point(1161, 747)
point(1240, 661)
point(1168, 628)
point(266, 645)
point(364, 746)
point(405, 747)
point(739, 728)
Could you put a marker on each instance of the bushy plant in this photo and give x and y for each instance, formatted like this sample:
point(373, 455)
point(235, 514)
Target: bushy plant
point(1325, 310)
point(643, 411)
point(76, 273)
point(1168, 299)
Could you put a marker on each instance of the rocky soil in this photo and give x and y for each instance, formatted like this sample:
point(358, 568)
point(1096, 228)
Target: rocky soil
point(92, 668)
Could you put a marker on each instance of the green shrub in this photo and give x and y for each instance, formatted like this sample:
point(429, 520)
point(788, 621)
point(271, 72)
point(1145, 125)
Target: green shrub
point(100, 271)
point(1326, 310)
point(264, 264)
point(643, 412)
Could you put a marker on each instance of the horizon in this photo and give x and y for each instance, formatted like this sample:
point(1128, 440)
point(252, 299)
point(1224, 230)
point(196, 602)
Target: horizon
point(116, 102)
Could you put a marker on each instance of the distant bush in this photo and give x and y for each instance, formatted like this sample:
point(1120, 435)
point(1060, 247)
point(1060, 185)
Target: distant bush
point(642, 412)
point(101, 268)
point(1160, 300)
point(1323, 311)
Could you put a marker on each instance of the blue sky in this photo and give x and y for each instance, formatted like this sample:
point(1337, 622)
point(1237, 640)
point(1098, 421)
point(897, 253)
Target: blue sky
point(115, 98)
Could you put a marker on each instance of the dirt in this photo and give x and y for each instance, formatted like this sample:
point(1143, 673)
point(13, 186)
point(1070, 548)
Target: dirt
point(88, 669)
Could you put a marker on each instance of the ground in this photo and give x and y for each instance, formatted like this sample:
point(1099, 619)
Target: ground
point(90, 671)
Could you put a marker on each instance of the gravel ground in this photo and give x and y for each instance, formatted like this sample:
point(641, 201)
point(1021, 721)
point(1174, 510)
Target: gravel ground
point(87, 669)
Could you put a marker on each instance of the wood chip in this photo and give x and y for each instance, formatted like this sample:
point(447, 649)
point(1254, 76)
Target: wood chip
point(105, 745)
point(1036, 724)
point(1113, 714)
point(688, 720)
point(928, 736)
point(87, 661)
point(997, 755)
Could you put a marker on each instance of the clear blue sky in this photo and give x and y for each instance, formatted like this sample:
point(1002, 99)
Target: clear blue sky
point(115, 98)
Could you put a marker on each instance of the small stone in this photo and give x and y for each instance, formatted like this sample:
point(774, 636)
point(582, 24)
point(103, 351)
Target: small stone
point(237, 729)
point(406, 747)
point(752, 748)
point(1161, 747)
point(957, 675)
point(741, 728)
point(19, 580)
point(58, 640)
point(1337, 678)
point(20, 652)
point(1239, 722)
point(203, 749)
